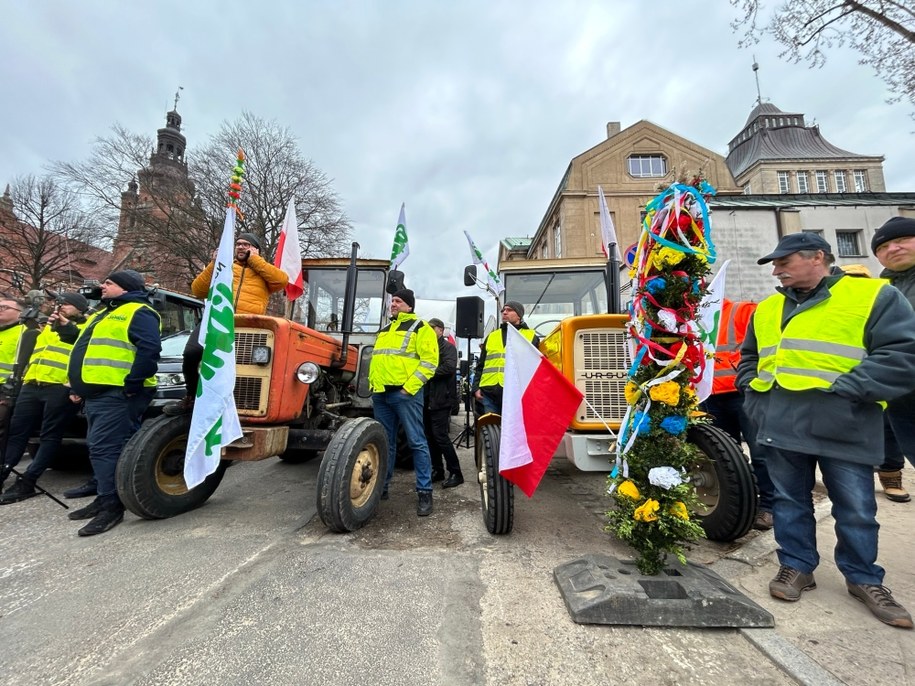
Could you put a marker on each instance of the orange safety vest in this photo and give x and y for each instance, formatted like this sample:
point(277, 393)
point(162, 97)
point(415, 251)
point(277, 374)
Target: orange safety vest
point(732, 329)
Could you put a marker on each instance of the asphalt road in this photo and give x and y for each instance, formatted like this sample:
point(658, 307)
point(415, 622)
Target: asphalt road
point(252, 589)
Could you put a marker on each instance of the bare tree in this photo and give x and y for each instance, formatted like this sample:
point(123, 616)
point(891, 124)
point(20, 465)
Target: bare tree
point(276, 171)
point(47, 240)
point(881, 31)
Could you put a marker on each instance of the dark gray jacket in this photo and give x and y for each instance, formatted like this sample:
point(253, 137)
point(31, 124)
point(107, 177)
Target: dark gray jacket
point(845, 421)
point(904, 281)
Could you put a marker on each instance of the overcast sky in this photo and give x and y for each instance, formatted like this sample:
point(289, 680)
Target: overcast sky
point(467, 111)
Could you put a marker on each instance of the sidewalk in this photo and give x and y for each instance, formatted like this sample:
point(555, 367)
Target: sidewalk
point(828, 637)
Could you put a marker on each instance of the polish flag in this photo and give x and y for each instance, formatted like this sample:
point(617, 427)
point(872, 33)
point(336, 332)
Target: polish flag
point(538, 403)
point(289, 254)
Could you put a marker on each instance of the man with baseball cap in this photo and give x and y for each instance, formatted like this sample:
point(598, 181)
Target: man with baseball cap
point(43, 400)
point(489, 376)
point(819, 359)
point(894, 247)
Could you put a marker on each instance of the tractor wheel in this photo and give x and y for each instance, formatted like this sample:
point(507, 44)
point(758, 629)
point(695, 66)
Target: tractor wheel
point(352, 475)
point(496, 493)
point(150, 472)
point(725, 484)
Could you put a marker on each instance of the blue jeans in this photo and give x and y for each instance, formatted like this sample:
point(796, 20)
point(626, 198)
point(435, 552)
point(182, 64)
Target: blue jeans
point(899, 433)
point(395, 408)
point(728, 415)
point(113, 418)
point(851, 489)
point(489, 404)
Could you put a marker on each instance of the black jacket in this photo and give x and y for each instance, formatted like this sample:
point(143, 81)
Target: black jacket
point(440, 390)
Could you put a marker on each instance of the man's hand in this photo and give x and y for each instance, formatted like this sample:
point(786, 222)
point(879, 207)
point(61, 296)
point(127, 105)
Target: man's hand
point(478, 395)
point(75, 399)
point(57, 319)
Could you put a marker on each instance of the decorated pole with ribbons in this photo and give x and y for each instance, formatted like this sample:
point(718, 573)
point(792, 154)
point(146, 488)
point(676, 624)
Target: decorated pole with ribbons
point(654, 501)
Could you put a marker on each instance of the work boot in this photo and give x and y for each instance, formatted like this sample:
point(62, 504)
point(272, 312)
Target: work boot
point(87, 512)
point(789, 583)
point(453, 480)
point(424, 504)
point(879, 600)
point(108, 517)
point(180, 407)
point(763, 521)
point(84, 491)
point(5, 471)
point(22, 489)
point(892, 486)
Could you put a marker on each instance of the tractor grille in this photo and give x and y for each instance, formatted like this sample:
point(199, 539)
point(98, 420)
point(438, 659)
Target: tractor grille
point(601, 371)
point(248, 392)
point(252, 381)
point(245, 342)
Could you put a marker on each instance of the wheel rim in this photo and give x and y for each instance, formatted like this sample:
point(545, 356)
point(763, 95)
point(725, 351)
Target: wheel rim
point(365, 475)
point(482, 476)
point(170, 467)
point(708, 490)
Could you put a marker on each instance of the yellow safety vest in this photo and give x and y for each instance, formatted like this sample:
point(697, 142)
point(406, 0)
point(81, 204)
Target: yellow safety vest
point(48, 363)
point(110, 354)
point(9, 343)
point(405, 354)
point(817, 346)
point(494, 364)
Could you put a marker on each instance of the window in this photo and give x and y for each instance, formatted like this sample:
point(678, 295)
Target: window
point(848, 244)
point(860, 181)
point(647, 166)
point(784, 182)
point(802, 182)
point(839, 176)
point(557, 241)
point(822, 182)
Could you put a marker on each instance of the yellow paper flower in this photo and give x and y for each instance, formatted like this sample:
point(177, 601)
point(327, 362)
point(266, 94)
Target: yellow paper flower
point(664, 257)
point(667, 393)
point(690, 394)
point(629, 489)
point(647, 511)
point(632, 392)
point(678, 509)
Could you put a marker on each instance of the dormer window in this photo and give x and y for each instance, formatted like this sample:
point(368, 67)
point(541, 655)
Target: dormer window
point(647, 166)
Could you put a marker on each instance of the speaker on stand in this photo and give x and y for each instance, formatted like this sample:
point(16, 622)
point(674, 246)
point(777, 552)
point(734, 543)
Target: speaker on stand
point(469, 324)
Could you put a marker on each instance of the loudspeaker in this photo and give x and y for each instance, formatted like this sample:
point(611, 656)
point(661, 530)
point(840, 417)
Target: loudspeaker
point(465, 368)
point(469, 317)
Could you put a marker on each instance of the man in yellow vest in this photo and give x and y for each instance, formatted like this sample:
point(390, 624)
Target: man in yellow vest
point(43, 401)
point(10, 332)
point(113, 369)
point(819, 360)
point(404, 358)
point(489, 376)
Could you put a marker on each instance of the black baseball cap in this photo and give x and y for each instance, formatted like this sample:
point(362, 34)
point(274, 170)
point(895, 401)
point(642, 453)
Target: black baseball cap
point(794, 242)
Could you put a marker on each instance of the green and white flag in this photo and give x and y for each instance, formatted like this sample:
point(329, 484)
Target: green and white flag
point(492, 279)
point(401, 248)
point(214, 423)
point(708, 321)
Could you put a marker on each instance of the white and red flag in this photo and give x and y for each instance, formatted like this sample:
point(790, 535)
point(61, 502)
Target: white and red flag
point(289, 253)
point(538, 403)
point(607, 230)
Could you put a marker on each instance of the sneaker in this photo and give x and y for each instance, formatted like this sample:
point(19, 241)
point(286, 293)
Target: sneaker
point(105, 519)
point(22, 489)
point(87, 512)
point(424, 504)
point(789, 583)
point(179, 408)
point(763, 521)
point(879, 600)
point(84, 491)
point(892, 486)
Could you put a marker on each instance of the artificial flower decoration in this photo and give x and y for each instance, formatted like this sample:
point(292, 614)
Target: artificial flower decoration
point(670, 274)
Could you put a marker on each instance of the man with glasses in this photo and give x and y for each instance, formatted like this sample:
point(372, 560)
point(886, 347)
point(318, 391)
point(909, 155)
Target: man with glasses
point(253, 280)
point(489, 377)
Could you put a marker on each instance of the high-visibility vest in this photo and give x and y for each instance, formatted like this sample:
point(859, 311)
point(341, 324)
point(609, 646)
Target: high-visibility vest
point(9, 343)
point(110, 354)
point(818, 345)
point(405, 354)
point(732, 329)
point(48, 363)
point(494, 365)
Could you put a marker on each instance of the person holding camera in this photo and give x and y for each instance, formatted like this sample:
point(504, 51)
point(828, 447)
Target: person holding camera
point(10, 332)
point(43, 400)
point(253, 280)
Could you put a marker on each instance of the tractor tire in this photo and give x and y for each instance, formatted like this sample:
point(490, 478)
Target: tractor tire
point(150, 472)
point(352, 475)
point(496, 493)
point(725, 484)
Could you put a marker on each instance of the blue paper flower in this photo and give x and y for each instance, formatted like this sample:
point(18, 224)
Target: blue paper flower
point(641, 423)
point(656, 285)
point(674, 425)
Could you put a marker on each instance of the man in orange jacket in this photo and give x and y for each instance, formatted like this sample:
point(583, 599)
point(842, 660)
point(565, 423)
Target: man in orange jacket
point(725, 404)
point(253, 280)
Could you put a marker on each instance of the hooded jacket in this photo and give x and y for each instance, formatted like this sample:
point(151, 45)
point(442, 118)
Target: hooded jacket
point(252, 284)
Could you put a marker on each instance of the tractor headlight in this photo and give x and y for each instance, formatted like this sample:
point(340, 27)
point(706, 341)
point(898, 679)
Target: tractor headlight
point(260, 354)
point(307, 372)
